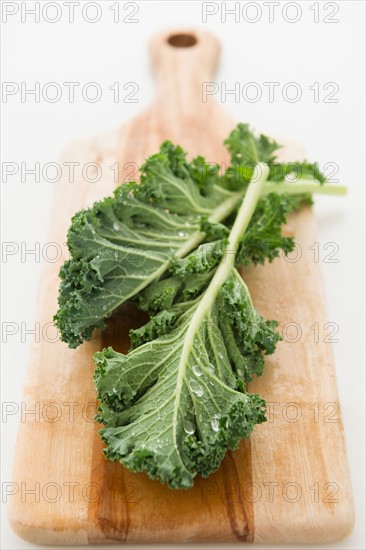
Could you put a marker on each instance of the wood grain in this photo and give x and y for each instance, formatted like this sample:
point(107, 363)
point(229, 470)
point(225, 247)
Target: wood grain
point(290, 483)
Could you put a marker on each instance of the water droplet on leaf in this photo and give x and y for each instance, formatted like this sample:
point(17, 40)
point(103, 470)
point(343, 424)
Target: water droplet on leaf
point(197, 370)
point(196, 388)
point(189, 427)
point(215, 422)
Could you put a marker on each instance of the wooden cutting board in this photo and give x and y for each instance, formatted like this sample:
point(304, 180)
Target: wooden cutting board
point(288, 484)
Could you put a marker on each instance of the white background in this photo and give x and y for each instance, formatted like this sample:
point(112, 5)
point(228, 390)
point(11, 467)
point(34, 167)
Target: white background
point(106, 52)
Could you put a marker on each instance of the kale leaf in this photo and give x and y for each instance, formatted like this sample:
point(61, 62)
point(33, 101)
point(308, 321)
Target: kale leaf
point(173, 242)
point(175, 404)
point(176, 218)
point(125, 242)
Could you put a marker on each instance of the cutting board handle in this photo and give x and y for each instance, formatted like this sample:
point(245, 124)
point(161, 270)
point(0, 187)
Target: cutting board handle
point(184, 61)
point(183, 54)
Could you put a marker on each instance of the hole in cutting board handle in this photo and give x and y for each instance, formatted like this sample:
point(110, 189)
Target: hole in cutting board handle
point(182, 40)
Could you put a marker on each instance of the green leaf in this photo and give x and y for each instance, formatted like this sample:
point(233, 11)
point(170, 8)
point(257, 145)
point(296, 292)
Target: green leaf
point(125, 242)
point(245, 148)
point(299, 170)
point(176, 219)
point(246, 151)
point(264, 240)
point(174, 405)
point(178, 400)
